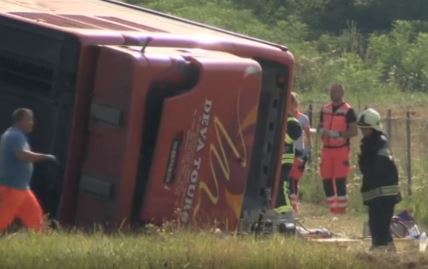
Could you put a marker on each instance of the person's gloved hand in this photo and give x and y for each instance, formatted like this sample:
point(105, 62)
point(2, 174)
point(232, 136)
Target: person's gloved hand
point(52, 158)
point(332, 134)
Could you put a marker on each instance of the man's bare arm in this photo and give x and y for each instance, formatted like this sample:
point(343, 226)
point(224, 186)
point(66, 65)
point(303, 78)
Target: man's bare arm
point(32, 157)
point(308, 136)
point(351, 132)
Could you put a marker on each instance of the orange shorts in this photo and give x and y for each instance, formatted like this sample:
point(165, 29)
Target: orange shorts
point(335, 163)
point(20, 204)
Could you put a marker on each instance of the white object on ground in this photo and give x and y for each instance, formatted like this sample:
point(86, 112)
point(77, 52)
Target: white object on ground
point(423, 242)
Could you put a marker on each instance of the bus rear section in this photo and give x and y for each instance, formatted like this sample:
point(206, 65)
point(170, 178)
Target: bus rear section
point(171, 137)
point(205, 141)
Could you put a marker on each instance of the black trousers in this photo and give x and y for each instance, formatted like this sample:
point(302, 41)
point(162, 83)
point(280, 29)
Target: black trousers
point(285, 174)
point(381, 211)
point(339, 184)
point(293, 186)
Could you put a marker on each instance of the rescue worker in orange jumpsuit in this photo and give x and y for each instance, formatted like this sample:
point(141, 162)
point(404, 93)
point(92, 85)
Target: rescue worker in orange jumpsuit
point(337, 125)
point(17, 201)
point(303, 147)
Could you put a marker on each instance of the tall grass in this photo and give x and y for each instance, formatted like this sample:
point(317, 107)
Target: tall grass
point(172, 250)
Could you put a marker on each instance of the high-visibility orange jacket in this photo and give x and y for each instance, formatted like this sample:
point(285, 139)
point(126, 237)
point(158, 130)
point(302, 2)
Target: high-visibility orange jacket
point(335, 121)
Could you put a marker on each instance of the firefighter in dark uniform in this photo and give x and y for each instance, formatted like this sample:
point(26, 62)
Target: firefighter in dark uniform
point(294, 131)
point(380, 190)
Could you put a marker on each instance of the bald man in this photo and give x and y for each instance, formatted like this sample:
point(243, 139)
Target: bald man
point(337, 125)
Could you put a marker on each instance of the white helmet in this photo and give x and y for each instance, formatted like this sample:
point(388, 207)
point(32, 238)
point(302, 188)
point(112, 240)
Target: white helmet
point(370, 118)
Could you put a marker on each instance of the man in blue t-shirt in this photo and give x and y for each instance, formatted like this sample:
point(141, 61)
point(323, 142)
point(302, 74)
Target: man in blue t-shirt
point(16, 170)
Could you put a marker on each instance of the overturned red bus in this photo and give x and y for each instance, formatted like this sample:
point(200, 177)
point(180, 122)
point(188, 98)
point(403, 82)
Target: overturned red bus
point(154, 118)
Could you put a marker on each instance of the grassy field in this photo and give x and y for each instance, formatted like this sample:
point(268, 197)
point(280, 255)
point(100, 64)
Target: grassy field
point(176, 250)
point(157, 248)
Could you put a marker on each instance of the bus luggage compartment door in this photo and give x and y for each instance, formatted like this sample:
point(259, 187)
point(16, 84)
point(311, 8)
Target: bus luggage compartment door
point(109, 169)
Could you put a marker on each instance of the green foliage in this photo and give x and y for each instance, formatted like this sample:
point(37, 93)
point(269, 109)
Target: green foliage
point(224, 14)
point(403, 57)
point(364, 64)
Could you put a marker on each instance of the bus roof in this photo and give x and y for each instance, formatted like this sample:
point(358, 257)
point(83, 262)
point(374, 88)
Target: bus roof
point(81, 15)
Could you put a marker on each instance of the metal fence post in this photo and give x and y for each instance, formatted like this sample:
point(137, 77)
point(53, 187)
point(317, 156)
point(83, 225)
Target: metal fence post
point(389, 125)
point(409, 151)
point(310, 114)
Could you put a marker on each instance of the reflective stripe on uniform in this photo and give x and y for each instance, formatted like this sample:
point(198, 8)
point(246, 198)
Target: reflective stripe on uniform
point(284, 209)
point(331, 202)
point(342, 198)
point(385, 152)
point(287, 207)
point(330, 199)
point(342, 201)
point(288, 139)
point(381, 192)
point(287, 158)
